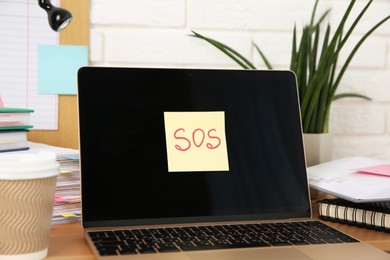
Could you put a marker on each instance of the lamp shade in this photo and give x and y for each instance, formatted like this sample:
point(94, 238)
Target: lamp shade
point(58, 17)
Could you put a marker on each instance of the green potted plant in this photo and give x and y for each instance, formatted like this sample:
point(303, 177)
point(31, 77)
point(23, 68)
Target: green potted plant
point(316, 68)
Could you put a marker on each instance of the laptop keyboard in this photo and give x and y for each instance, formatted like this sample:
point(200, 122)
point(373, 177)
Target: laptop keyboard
point(160, 240)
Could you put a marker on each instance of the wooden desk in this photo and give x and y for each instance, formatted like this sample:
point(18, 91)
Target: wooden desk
point(67, 241)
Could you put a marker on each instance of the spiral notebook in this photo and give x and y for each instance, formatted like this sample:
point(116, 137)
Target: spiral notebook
point(367, 215)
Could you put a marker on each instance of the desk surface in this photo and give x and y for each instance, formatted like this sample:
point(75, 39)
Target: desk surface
point(67, 241)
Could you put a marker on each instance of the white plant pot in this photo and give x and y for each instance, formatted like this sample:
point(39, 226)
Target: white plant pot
point(318, 148)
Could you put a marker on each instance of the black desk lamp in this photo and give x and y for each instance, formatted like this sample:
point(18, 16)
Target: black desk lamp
point(59, 18)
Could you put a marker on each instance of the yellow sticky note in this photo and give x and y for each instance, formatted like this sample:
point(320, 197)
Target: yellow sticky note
point(68, 215)
point(196, 141)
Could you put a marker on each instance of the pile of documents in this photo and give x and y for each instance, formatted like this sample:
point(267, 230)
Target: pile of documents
point(362, 190)
point(67, 207)
point(355, 179)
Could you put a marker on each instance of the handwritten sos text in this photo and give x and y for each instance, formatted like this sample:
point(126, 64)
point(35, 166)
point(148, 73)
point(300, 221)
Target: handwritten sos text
point(197, 139)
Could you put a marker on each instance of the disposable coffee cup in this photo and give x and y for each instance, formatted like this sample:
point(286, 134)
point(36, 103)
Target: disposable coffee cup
point(27, 190)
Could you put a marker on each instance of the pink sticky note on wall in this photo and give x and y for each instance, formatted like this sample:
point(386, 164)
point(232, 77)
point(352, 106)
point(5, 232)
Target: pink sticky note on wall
point(381, 169)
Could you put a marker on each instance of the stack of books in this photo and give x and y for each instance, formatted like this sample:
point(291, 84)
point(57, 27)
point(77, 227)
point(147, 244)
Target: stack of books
point(14, 126)
point(361, 187)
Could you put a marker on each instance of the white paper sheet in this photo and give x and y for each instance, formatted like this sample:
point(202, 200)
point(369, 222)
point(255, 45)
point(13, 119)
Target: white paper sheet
point(24, 26)
point(342, 179)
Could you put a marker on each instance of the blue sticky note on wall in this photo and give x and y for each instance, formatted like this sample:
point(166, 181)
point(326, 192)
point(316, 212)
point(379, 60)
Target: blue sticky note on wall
point(58, 66)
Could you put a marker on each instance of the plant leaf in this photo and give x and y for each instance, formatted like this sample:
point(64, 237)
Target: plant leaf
point(352, 95)
point(325, 42)
point(234, 55)
point(314, 88)
point(349, 32)
point(313, 26)
point(317, 81)
point(313, 14)
point(313, 54)
point(322, 18)
point(267, 63)
point(302, 57)
point(293, 62)
point(322, 106)
point(333, 71)
point(355, 49)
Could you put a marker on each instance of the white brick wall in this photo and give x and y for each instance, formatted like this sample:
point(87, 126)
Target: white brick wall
point(148, 13)
point(279, 15)
point(154, 33)
point(168, 48)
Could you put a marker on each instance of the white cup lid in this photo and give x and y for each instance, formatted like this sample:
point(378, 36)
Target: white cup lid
point(21, 166)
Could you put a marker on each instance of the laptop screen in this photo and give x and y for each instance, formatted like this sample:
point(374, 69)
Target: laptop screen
point(189, 145)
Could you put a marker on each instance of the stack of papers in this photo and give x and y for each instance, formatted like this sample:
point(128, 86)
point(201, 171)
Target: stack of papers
point(67, 204)
point(356, 179)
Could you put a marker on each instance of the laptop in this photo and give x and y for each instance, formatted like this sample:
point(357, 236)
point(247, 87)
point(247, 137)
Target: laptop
point(198, 164)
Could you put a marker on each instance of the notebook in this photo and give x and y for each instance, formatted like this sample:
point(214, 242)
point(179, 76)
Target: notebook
point(198, 164)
